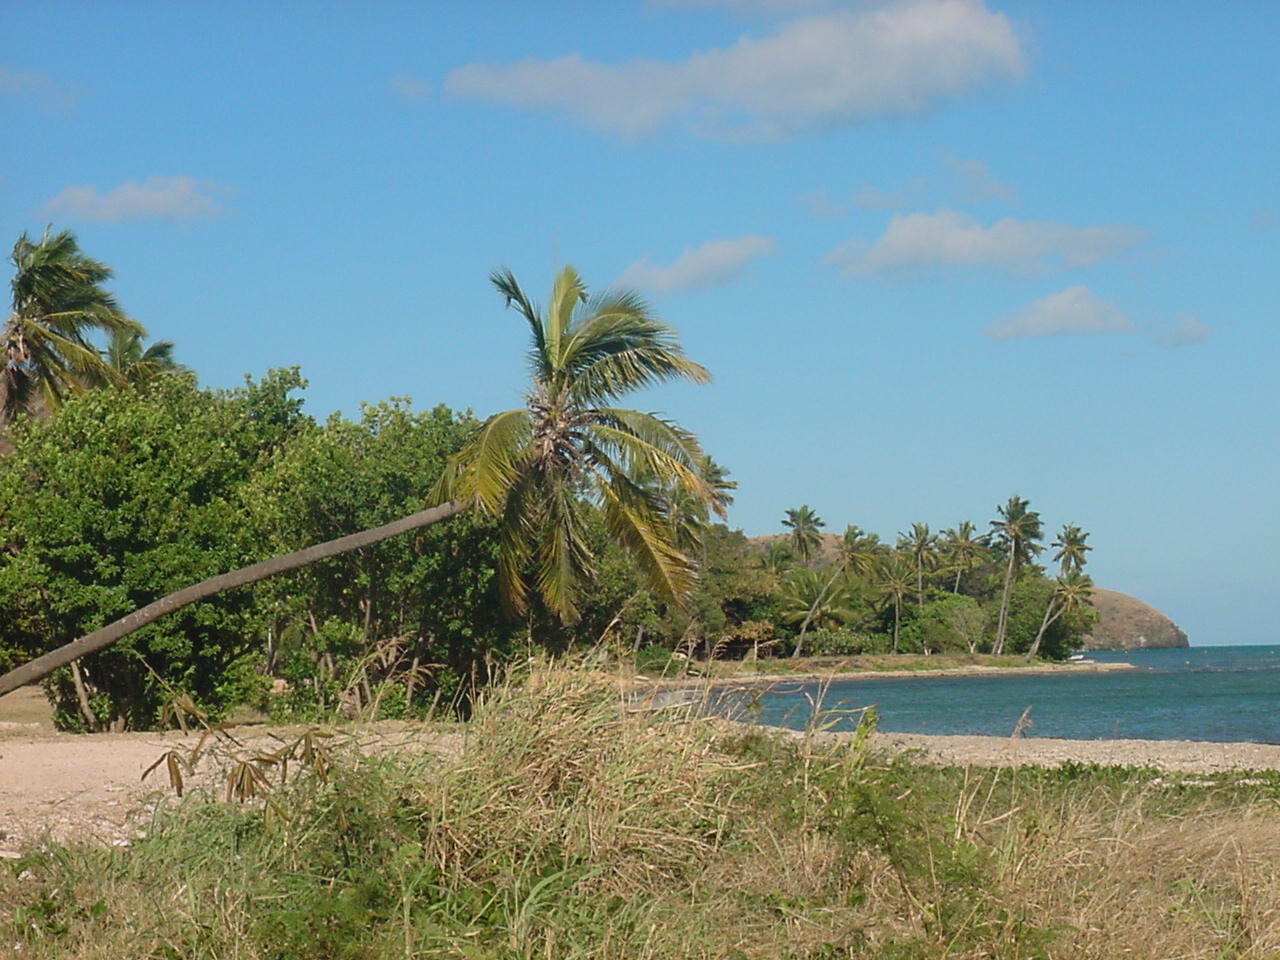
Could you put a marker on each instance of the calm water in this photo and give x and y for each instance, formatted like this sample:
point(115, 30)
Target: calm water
point(1204, 693)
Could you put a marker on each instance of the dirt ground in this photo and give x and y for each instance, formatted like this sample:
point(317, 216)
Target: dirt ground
point(89, 786)
point(68, 786)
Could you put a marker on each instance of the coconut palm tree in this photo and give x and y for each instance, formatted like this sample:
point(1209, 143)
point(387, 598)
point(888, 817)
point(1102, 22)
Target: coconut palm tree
point(535, 468)
point(1071, 548)
point(856, 554)
point(923, 548)
point(1017, 531)
point(1072, 590)
point(57, 302)
point(963, 548)
point(126, 356)
point(776, 556)
point(895, 579)
point(805, 534)
point(808, 597)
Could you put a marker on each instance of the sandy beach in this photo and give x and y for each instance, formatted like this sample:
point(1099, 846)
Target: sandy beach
point(71, 787)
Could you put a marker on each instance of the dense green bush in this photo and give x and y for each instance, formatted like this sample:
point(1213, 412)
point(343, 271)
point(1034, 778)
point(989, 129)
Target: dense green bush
point(123, 497)
point(419, 612)
point(829, 642)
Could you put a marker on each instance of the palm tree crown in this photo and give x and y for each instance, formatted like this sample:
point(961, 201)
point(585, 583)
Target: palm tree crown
point(963, 548)
point(125, 355)
point(538, 467)
point(805, 527)
point(1071, 549)
point(57, 302)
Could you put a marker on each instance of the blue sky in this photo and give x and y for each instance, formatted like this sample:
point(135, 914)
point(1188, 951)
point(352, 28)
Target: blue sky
point(934, 252)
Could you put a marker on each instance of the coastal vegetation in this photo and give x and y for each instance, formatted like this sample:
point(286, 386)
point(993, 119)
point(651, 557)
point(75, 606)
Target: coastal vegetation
point(575, 523)
point(533, 808)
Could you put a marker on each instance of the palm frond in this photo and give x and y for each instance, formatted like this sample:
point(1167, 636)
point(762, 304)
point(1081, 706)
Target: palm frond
point(567, 292)
point(504, 281)
point(489, 466)
point(646, 444)
point(562, 555)
point(635, 518)
point(618, 349)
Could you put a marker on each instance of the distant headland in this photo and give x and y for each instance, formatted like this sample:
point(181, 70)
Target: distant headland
point(1126, 623)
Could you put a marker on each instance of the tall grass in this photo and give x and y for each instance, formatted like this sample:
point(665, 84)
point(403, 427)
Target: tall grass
point(571, 827)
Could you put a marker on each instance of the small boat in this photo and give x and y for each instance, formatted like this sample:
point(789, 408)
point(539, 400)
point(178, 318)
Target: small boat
point(1079, 658)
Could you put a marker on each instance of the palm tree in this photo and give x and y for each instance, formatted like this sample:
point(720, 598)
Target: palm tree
point(963, 548)
point(126, 356)
point(58, 301)
point(808, 597)
point(1071, 548)
point(856, 553)
point(776, 556)
point(922, 545)
point(895, 580)
point(1017, 531)
point(1072, 590)
point(805, 526)
point(534, 468)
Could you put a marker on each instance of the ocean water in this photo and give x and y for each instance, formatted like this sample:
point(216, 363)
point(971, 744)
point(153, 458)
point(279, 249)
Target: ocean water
point(1202, 693)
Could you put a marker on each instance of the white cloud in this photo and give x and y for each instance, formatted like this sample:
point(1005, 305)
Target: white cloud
point(1188, 330)
point(1073, 310)
point(51, 95)
point(952, 238)
point(410, 88)
point(817, 71)
point(819, 203)
point(978, 183)
point(169, 198)
point(711, 265)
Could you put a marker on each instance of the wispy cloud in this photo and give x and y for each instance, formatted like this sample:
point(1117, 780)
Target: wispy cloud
point(951, 238)
point(978, 184)
point(1186, 331)
point(711, 265)
point(749, 6)
point(166, 198)
point(819, 71)
point(1073, 310)
point(40, 88)
point(1264, 219)
point(410, 88)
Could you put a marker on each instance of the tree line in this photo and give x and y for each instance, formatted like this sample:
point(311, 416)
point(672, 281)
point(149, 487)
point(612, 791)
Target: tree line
point(175, 530)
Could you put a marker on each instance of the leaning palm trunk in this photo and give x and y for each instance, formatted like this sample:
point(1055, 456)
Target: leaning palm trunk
point(1050, 615)
point(1003, 622)
point(897, 618)
point(813, 611)
point(41, 667)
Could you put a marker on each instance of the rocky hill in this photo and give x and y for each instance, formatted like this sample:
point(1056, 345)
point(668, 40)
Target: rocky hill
point(1126, 623)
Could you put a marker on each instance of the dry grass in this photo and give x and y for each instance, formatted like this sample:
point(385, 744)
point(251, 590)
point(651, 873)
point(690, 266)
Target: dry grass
point(570, 827)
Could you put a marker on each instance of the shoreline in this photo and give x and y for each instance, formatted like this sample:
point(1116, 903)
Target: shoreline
point(1171, 756)
point(642, 682)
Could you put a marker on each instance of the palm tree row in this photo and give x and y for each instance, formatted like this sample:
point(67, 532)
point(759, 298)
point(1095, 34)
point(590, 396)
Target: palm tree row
point(899, 575)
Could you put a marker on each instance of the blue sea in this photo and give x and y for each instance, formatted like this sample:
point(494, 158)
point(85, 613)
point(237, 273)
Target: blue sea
point(1201, 693)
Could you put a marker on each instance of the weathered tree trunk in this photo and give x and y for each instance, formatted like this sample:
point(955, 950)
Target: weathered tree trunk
point(897, 618)
point(100, 639)
point(1049, 617)
point(1003, 623)
point(804, 627)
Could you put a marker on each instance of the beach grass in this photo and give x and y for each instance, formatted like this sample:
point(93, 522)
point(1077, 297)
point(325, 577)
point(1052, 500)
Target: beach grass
point(569, 827)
